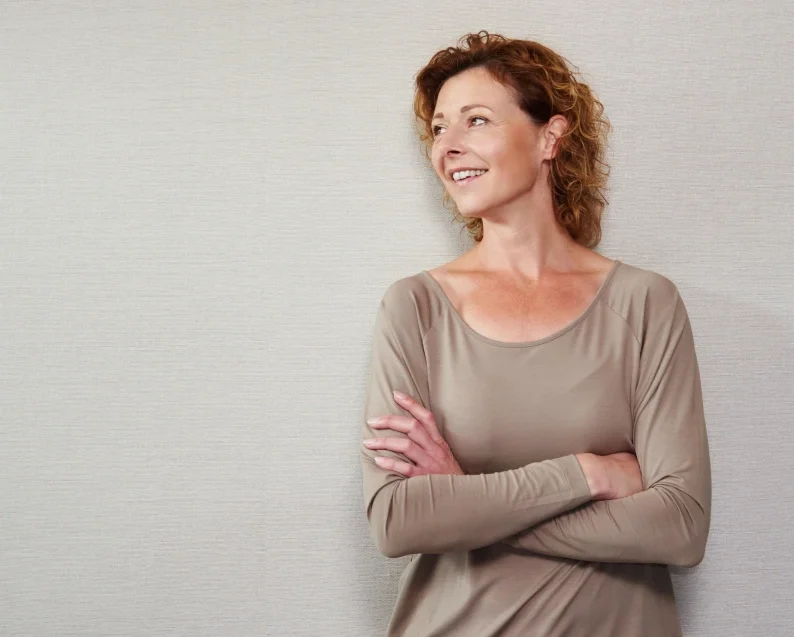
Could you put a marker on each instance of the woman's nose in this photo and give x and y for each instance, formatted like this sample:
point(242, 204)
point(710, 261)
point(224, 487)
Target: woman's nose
point(451, 143)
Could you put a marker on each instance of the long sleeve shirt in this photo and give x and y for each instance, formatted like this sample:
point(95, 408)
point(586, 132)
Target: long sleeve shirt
point(518, 546)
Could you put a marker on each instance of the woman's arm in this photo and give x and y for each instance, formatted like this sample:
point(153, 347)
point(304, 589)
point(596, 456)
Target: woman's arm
point(668, 522)
point(437, 513)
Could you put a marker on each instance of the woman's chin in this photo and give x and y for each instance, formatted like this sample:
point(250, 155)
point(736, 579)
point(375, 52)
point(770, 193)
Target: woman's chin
point(468, 209)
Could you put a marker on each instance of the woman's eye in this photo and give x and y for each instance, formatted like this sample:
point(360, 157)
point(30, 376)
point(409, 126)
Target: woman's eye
point(435, 128)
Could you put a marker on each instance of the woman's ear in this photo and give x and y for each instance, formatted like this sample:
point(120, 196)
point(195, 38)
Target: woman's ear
point(555, 128)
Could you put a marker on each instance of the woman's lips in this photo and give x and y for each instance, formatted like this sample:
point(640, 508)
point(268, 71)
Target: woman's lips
point(468, 180)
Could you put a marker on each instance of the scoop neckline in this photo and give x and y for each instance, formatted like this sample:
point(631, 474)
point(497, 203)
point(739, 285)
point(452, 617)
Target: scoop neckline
point(550, 337)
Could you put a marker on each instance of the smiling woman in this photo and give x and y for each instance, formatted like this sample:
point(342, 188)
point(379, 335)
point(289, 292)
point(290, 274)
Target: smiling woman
point(533, 428)
point(516, 86)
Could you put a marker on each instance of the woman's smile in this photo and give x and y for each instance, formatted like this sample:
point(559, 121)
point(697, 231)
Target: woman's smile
point(468, 180)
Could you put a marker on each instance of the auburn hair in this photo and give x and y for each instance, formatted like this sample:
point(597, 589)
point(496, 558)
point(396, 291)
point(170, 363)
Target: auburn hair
point(544, 85)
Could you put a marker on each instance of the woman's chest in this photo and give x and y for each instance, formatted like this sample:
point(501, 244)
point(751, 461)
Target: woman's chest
point(501, 408)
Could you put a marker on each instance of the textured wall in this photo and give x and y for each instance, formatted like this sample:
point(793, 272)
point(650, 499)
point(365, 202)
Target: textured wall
point(202, 203)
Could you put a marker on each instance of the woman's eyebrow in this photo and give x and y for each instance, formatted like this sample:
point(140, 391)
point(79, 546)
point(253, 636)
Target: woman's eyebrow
point(463, 109)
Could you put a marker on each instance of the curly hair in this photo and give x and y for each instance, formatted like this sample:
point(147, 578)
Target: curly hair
point(544, 85)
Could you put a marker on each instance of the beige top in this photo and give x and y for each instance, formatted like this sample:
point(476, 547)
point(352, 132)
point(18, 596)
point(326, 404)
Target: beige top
point(518, 547)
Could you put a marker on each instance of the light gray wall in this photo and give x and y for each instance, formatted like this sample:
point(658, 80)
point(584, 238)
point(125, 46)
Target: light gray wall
point(202, 203)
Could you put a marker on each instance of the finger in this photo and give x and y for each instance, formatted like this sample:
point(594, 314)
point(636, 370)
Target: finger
point(421, 413)
point(398, 466)
point(405, 446)
point(415, 430)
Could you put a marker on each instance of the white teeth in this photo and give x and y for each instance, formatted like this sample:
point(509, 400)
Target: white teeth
point(462, 174)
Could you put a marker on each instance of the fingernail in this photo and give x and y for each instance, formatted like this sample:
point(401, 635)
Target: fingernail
point(369, 441)
point(399, 394)
point(373, 421)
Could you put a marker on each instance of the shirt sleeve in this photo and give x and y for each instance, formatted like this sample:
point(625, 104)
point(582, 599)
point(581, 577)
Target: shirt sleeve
point(444, 513)
point(668, 522)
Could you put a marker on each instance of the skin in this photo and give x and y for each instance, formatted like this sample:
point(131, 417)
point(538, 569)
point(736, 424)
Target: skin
point(526, 279)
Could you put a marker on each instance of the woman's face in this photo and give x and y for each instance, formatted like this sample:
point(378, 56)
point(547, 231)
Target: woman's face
point(497, 136)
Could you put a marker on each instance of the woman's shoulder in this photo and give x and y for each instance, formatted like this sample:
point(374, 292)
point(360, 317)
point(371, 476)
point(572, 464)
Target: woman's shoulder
point(409, 301)
point(645, 298)
point(644, 283)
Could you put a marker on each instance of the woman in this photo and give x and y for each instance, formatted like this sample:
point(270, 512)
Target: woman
point(548, 458)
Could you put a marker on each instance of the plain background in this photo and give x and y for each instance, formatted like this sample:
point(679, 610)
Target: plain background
point(202, 204)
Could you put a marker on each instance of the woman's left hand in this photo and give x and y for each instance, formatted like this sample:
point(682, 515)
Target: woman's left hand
point(424, 446)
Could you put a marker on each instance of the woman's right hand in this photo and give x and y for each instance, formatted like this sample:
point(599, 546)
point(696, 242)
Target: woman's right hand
point(610, 477)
